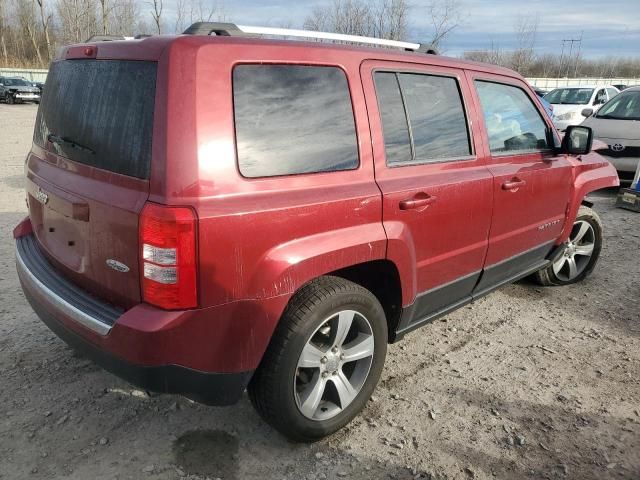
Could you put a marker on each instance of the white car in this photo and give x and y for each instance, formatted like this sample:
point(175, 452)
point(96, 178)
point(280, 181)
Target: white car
point(568, 102)
point(616, 124)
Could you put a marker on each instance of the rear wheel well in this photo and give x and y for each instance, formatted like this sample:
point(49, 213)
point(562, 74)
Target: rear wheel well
point(381, 278)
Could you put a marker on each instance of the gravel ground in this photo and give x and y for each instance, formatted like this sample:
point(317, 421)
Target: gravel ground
point(529, 382)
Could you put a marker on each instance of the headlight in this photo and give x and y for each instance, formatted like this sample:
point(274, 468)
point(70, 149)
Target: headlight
point(566, 116)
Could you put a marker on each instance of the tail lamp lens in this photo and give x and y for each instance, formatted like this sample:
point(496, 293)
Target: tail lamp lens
point(168, 252)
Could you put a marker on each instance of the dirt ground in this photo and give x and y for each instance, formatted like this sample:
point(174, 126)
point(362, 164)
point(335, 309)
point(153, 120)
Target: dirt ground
point(530, 382)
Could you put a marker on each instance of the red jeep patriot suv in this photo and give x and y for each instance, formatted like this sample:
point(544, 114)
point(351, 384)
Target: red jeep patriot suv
point(215, 211)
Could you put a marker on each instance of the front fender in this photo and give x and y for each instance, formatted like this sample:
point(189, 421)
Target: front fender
point(593, 174)
point(285, 268)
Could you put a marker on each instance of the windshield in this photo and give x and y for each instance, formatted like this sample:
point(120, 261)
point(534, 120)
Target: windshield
point(569, 96)
point(625, 106)
point(15, 82)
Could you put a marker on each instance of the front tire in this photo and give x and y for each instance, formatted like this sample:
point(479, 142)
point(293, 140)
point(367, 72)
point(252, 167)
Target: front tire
point(581, 252)
point(324, 360)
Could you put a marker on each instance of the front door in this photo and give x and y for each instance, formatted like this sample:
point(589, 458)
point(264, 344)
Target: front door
point(532, 184)
point(437, 192)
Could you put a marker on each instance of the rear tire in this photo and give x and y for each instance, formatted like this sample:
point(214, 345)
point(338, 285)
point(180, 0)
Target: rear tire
point(324, 360)
point(10, 99)
point(581, 252)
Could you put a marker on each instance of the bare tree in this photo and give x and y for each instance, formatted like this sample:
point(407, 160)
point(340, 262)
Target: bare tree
point(28, 23)
point(391, 19)
point(77, 20)
point(180, 16)
point(382, 19)
point(105, 11)
point(157, 6)
point(445, 16)
point(124, 17)
point(526, 32)
point(3, 33)
point(45, 20)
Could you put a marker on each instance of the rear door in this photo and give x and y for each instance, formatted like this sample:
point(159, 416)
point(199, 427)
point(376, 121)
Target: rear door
point(437, 193)
point(88, 171)
point(532, 184)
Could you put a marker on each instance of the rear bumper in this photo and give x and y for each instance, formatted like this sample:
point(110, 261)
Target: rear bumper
point(206, 354)
point(204, 387)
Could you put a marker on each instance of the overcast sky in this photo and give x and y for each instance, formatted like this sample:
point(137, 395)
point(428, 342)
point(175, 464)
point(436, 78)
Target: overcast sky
point(611, 27)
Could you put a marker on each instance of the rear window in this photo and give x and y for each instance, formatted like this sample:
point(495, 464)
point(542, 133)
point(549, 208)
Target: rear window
point(293, 119)
point(100, 113)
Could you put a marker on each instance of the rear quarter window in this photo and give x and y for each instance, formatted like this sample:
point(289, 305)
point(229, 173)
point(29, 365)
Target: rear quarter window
point(293, 119)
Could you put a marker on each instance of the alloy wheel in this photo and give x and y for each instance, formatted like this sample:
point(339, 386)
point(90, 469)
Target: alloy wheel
point(577, 253)
point(334, 365)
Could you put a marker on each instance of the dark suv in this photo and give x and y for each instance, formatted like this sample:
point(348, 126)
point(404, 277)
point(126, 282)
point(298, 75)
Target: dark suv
point(18, 90)
point(211, 213)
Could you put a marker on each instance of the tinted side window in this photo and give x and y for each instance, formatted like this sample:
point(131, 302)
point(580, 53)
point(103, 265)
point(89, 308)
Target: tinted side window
point(513, 122)
point(436, 116)
point(293, 119)
point(436, 127)
point(397, 143)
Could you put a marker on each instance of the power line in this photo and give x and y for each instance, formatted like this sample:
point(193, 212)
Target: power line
point(569, 41)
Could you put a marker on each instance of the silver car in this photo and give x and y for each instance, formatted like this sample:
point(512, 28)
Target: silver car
point(617, 124)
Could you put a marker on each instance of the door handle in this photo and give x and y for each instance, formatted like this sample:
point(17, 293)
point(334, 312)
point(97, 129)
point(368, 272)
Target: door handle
point(513, 184)
point(419, 200)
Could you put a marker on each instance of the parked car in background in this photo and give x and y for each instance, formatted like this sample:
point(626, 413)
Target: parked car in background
point(617, 124)
point(568, 102)
point(229, 232)
point(18, 90)
point(547, 107)
point(620, 86)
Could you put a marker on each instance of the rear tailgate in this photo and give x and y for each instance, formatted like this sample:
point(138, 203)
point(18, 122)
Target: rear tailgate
point(88, 172)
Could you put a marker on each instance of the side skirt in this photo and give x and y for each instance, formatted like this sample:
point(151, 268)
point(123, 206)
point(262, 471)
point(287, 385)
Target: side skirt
point(486, 282)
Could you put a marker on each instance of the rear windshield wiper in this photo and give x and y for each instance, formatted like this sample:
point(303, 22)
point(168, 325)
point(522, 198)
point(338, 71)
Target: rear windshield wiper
point(65, 141)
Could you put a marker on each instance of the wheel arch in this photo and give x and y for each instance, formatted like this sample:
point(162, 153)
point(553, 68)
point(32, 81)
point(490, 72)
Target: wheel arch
point(592, 177)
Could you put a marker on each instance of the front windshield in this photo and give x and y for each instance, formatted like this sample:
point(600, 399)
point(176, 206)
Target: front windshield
point(15, 82)
point(569, 96)
point(625, 106)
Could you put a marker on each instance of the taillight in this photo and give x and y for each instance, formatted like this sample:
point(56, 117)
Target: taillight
point(168, 253)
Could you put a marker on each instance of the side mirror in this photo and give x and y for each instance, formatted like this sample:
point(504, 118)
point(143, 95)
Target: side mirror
point(587, 112)
point(577, 140)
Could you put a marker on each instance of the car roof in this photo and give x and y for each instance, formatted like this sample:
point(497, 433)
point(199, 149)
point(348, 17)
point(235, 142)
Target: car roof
point(159, 43)
point(583, 86)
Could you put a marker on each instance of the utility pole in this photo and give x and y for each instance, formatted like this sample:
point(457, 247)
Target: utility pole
point(575, 71)
point(561, 59)
point(571, 41)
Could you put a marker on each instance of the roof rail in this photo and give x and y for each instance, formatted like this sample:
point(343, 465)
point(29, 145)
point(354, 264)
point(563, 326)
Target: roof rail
point(231, 29)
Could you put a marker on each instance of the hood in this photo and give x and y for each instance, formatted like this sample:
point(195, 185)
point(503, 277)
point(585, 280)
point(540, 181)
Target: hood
point(559, 109)
point(606, 128)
